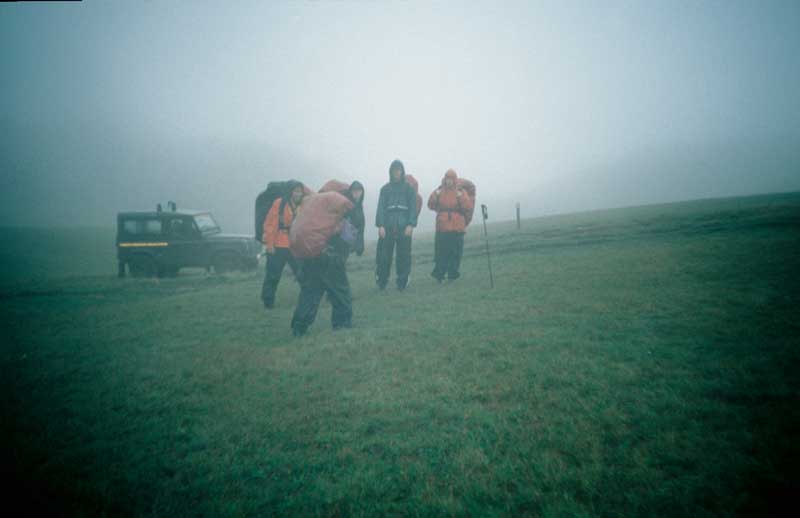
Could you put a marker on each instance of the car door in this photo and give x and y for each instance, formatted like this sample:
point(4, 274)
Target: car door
point(186, 244)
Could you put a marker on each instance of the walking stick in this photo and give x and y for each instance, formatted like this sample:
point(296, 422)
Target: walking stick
point(486, 235)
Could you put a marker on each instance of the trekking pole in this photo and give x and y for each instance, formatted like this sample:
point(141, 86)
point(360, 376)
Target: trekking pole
point(486, 235)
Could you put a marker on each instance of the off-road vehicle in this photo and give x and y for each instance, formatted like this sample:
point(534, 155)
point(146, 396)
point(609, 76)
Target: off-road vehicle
point(161, 242)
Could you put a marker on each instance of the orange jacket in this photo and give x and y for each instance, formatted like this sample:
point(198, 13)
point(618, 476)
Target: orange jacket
point(449, 206)
point(273, 233)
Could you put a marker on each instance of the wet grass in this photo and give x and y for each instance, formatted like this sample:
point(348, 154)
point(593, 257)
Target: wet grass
point(639, 361)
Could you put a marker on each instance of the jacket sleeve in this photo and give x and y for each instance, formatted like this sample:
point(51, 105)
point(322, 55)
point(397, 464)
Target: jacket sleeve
point(379, 213)
point(412, 206)
point(360, 223)
point(360, 242)
point(433, 201)
point(271, 224)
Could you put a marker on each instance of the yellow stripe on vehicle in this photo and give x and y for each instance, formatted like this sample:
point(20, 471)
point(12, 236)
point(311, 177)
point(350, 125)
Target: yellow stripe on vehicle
point(130, 245)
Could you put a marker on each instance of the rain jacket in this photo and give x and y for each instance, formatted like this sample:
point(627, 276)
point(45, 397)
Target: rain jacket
point(397, 204)
point(276, 230)
point(449, 206)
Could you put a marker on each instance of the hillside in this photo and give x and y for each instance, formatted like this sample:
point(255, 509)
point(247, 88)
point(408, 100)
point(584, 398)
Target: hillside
point(638, 361)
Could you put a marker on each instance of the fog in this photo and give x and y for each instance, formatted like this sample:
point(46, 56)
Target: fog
point(110, 106)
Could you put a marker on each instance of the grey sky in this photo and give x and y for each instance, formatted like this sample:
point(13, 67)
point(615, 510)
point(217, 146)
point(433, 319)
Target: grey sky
point(110, 105)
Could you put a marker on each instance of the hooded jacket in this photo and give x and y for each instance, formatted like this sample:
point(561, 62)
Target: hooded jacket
point(449, 206)
point(276, 226)
point(397, 203)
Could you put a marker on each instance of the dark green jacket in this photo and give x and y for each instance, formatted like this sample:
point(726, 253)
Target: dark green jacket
point(397, 204)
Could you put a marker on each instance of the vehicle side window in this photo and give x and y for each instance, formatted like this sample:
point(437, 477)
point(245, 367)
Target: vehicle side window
point(152, 226)
point(130, 226)
point(142, 226)
point(180, 228)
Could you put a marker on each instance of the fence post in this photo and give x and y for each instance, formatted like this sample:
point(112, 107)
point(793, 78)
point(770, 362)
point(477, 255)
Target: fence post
point(485, 212)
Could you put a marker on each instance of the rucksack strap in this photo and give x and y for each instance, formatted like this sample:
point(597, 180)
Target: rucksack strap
point(282, 226)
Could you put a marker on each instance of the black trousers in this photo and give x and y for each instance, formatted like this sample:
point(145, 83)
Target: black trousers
point(448, 247)
point(274, 270)
point(321, 275)
point(383, 257)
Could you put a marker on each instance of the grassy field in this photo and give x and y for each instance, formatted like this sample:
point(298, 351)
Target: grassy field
point(631, 362)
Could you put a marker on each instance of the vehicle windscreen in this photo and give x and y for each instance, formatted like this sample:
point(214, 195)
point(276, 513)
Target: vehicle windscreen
point(206, 223)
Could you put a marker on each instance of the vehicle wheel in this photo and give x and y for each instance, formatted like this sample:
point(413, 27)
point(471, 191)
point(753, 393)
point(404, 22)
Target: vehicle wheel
point(225, 262)
point(249, 266)
point(142, 266)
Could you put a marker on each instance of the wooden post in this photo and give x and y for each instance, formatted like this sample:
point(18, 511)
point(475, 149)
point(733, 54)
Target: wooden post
point(485, 212)
point(518, 225)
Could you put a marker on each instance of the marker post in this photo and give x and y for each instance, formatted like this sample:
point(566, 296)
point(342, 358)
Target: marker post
point(486, 236)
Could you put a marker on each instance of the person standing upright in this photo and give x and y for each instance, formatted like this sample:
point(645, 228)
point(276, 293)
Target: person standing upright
point(395, 218)
point(276, 240)
point(452, 205)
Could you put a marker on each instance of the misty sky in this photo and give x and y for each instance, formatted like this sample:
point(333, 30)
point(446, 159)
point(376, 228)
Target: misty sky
point(111, 106)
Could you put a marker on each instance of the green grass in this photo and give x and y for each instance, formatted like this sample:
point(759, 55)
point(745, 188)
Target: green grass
point(40, 254)
point(632, 362)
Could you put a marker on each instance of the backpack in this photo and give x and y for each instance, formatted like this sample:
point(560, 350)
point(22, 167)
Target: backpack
point(357, 219)
point(469, 188)
point(334, 185)
point(342, 187)
point(264, 202)
point(410, 180)
point(318, 219)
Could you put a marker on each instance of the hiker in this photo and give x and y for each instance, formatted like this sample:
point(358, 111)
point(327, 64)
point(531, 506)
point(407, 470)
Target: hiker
point(357, 214)
point(452, 204)
point(395, 218)
point(356, 195)
point(326, 273)
point(276, 239)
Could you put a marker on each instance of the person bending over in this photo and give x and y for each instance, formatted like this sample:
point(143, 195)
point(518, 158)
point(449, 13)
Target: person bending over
point(327, 274)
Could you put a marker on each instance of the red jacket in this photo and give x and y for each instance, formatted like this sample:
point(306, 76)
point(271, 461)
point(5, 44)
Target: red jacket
point(275, 234)
point(450, 205)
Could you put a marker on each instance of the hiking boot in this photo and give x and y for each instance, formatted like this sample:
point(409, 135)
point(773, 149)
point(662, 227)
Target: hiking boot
point(297, 332)
point(438, 279)
point(403, 283)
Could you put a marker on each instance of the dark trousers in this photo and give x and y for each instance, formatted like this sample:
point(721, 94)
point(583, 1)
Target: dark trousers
point(383, 257)
point(325, 274)
point(448, 247)
point(275, 264)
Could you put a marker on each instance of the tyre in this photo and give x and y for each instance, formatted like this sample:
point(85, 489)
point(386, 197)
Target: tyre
point(225, 262)
point(249, 265)
point(142, 266)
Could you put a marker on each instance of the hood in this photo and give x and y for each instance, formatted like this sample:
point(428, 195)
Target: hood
point(397, 164)
point(450, 174)
point(355, 186)
point(290, 186)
